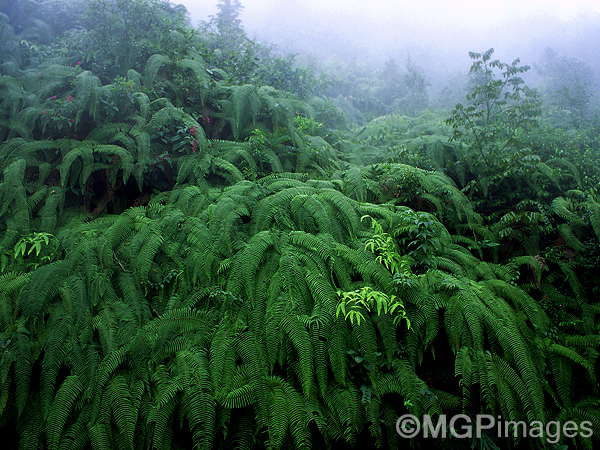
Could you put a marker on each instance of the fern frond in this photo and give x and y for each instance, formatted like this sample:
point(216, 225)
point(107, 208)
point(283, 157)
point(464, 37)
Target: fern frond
point(22, 352)
point(153, 66)
point(70, 391)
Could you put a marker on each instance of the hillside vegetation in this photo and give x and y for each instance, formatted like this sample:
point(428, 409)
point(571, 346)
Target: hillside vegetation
point(205, 244)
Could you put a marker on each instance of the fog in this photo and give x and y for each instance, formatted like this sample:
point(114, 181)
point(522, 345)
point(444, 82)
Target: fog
point(436, 34)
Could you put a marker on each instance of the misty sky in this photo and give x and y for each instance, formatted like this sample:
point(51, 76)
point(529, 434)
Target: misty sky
point(461, 12)
point(430, 31)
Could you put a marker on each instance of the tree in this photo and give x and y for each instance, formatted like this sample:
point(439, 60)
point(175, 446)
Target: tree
point(227, 25)
point(119, 35)
point(568, 83)
point(415, 88)
point(500, 110)
point(228, 15)
point(390, 79)
point(404, 91)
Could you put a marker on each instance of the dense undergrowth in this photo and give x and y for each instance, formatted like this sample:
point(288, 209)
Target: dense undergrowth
point(205, 245)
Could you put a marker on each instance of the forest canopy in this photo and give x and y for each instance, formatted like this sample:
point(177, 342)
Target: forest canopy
point(206, 243)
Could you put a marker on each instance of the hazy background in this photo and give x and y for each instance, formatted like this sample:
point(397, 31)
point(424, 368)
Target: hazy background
point(437, 34)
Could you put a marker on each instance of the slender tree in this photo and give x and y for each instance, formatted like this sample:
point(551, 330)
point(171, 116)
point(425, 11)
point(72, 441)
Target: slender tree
point(227, 25)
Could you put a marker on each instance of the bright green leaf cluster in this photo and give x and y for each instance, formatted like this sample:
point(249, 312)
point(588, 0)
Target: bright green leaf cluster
point(352, 304)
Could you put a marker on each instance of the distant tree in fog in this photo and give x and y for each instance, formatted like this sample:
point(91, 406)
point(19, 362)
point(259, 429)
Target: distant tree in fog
point(390, 79)
point(499, 111)
point(403, 91)
point(568, 84)
point(226, 24)
point(415, 84)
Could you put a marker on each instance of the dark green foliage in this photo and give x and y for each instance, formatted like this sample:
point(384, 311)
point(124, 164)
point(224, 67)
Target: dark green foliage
point(283, 74)
point(202, 342)
point(193, 258)
point(499, 110)
point(120, 35)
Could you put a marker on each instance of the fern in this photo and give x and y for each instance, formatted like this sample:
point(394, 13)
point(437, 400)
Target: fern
point(22, 351)
point(153, 66)
point(245, 106)
point(86, 87)
point(208, 318)
point(67, 396)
